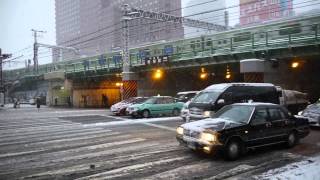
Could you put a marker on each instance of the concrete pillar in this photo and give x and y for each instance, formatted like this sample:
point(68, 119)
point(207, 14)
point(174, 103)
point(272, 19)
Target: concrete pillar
point(253, 70)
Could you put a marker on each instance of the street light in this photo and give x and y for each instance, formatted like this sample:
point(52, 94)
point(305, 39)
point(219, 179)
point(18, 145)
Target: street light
point(228, 73)
point(203, 74)
point(119, 84)
point(157, 74)
point(295, 64)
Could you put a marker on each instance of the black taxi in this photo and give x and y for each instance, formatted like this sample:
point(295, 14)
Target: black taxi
point(236, 128)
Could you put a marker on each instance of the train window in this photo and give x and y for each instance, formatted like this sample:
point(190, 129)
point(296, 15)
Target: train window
point(219, 42)
point(261, 35)
point(192, 45)
point(290, 29)
point(242, 37)
point(313, 27)
point(209, 42)
point(225, 41)
point(198, 43)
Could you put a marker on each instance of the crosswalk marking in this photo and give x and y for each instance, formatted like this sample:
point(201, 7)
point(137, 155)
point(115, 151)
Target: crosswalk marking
point(125, 170)
point(53, 148)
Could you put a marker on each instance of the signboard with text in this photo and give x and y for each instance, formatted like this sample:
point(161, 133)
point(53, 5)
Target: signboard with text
point(156, 60)
point(258, 11)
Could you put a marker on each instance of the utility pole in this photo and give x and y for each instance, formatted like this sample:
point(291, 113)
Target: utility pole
point(129, 78)
point(125, 23)
point(35, 50)
point(2, 89)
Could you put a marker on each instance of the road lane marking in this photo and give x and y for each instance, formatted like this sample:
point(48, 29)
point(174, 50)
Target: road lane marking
point(53, 159)
point(51, 132)
point(41, 149)
point(177, 173)
point(232, 172)
point(125, 170)
point(160, 126)
point(50, 137)
point(145, 121)
point(86, 167)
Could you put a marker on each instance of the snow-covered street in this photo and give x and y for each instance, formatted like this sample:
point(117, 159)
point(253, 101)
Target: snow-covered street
point(93, 144)
point(307, 169)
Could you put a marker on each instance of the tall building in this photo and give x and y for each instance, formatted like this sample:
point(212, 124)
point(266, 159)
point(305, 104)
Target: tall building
point(204, 10)
point(258, 11)
point(94, 26)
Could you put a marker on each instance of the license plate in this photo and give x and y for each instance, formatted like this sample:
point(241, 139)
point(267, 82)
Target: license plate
point(191, 145)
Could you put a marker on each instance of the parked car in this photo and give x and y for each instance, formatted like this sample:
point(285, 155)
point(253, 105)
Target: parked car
point(236, 128)
point(312, 112)
point(156, 105)
point(184, 114)
point(120, 107)
point(185, 96)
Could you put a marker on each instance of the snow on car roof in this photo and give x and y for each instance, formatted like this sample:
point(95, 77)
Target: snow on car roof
point(186, 92)
point(223, 86)
point(256, 104)
point(161, 96)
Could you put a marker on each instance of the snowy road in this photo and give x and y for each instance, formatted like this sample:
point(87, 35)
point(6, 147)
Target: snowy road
point(91, 144)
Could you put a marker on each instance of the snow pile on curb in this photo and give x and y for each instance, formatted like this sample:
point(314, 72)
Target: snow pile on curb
point(306, 169)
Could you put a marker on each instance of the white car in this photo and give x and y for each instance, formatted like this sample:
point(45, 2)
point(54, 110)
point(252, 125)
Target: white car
point(120, 107)
point(312, 112)
point(184, 114)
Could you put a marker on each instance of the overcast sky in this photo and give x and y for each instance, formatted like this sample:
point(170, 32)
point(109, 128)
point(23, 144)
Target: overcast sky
point(18, 17)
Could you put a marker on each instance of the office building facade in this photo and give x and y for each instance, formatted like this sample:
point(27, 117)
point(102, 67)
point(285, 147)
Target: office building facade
point(94, 26)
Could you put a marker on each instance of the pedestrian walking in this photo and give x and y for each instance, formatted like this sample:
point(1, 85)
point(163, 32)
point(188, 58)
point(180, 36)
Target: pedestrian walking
point(18, 103)
point(38, 103)
point(105, 100)
point(15, 103)
point(69, 101)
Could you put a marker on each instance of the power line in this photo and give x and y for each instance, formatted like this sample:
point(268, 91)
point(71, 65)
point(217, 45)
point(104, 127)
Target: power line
point(87, 40)
point(196, 31)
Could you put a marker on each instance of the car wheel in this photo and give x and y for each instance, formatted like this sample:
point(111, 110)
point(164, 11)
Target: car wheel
point(232, 150)
point(292, 139)
point(175, 112)
point(145, 113)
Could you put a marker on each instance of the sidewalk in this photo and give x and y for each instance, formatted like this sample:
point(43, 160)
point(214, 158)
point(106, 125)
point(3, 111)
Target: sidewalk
point(308, 169)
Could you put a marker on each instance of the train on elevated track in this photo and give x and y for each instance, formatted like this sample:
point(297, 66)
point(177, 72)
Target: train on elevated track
point(300, 29)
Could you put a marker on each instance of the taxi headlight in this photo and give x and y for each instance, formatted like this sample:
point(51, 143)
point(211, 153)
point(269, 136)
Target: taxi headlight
point(207, 113)
point(208, 137)
point(180, 130)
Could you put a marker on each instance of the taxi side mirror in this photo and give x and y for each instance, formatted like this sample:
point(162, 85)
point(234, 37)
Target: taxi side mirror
point(220, 102)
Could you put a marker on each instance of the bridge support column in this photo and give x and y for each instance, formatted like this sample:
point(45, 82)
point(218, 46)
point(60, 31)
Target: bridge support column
point(253, 70)
point(129, 89)
point(254, 77)
point(130, 84)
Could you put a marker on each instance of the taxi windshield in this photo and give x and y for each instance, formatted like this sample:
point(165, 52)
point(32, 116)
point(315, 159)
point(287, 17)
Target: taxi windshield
point(235, 113)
